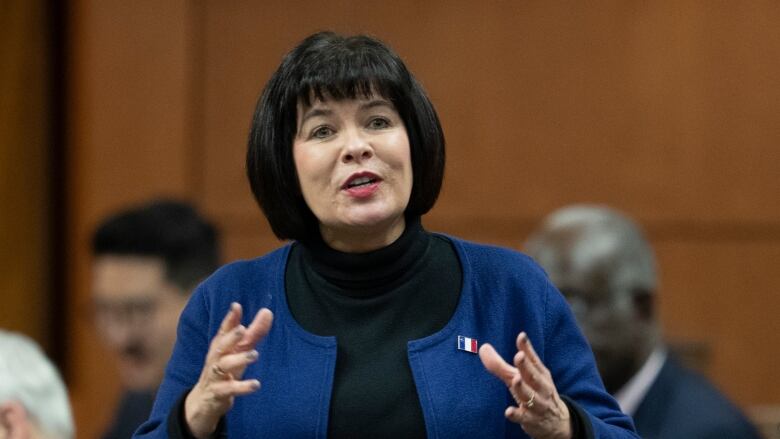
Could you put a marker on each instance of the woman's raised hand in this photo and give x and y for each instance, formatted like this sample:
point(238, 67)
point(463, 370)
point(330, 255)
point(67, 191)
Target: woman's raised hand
point(230, 352)
point(540, 410)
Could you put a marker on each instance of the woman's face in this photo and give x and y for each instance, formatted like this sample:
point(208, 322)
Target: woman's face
point(355, 170)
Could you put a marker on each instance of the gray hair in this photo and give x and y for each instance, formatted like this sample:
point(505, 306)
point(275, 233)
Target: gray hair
point(599, 235)
point(28, 377)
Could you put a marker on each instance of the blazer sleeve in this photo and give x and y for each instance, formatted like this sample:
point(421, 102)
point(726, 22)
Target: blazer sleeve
point(184, 367)
point(569, 358)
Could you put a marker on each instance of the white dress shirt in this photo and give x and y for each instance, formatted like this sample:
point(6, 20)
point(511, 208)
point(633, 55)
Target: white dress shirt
point(633, 392)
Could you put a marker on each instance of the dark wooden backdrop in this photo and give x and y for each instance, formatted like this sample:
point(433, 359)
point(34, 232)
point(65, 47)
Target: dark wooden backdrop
point(666, 110)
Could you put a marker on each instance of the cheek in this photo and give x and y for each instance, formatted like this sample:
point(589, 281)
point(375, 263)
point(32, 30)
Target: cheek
point(313, 168)
point(167, 318)
point(403, 162)
point(299, 160)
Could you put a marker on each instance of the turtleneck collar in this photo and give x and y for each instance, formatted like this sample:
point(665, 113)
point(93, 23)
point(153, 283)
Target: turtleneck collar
point(367, 272)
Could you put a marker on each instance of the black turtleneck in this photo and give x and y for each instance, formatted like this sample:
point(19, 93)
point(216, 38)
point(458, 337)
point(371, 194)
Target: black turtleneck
point(374, 303)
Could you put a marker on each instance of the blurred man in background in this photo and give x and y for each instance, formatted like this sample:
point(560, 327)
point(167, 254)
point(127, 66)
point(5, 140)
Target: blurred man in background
point(601, 262)
point(33, 400)
point(147, 260)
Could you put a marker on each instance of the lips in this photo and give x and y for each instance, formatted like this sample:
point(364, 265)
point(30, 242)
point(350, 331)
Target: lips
point(360, 179)
point(362, 185)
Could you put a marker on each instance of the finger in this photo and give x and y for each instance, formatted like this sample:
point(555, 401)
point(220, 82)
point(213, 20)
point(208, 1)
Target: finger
point(524, 344)
point(523, 394)
point(258, 329)
point(514, 414)
point(217, 373)
point(527, 369)
point(232, 318)
point(536, 380)
point(229, 322)
point(227, 389)
point(236, 363)
point(224, 344)
point(496, 365)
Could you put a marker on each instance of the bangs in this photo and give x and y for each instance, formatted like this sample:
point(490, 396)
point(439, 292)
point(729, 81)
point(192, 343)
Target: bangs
point(348, 75)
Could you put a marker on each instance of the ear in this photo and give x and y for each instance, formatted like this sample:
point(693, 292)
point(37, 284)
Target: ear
point(14, 420)
point(644, 304)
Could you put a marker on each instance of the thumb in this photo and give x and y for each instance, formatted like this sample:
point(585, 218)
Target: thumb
point(496, 365)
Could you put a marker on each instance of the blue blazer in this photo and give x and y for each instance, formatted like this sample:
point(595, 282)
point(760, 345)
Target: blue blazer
point(503, 293)
point(682, 404)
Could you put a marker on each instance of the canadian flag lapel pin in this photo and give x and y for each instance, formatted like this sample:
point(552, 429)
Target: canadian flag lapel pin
point(467, 344)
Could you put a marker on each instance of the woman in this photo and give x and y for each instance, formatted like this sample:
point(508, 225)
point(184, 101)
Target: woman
point(366, 325)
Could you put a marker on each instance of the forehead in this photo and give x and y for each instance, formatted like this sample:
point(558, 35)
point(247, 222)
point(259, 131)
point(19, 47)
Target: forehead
point(119, 276)
point(577, 264)
point(592, 282)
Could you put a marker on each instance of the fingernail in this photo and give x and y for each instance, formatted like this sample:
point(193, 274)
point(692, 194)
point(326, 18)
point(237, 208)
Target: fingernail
point(252, 355)
point(523, 337)
point(255, 384)
point(508, 412)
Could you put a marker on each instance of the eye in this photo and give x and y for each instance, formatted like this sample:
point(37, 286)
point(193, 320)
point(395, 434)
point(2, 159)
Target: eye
point(322, 132)
point(378, 123)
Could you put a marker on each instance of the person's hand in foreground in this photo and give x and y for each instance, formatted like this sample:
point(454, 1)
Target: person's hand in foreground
point(230, 352)
point(540, 410)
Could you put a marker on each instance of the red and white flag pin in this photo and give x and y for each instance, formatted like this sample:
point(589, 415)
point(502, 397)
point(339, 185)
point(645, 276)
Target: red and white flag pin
point(467, 344)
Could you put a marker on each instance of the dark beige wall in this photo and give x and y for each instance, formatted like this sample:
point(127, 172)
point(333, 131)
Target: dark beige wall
point(666, 110)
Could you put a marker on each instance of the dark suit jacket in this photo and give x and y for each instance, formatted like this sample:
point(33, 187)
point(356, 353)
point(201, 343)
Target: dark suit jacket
point(133, 410)
point(682, 404)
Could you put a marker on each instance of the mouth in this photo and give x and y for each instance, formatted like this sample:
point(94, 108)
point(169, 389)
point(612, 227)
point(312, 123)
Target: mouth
point(134, 354)
point(360, 179)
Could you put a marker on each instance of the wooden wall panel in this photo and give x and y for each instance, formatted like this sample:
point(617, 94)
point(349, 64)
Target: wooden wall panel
point(24, 183)
point(723, 293)
point(665, 110)
point(130, 126)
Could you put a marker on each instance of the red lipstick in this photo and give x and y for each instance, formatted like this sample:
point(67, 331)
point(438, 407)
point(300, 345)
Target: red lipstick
point(362, 184)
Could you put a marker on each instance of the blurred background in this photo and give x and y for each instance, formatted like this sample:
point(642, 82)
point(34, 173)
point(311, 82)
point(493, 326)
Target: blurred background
point(669, 111)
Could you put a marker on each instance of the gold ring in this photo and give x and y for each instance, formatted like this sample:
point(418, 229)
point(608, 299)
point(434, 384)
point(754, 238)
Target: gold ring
point(530, 402)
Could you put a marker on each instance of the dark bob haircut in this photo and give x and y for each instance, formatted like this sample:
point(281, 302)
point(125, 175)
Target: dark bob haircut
point(330, 66)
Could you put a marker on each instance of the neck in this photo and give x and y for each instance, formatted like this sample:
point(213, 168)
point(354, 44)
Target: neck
point(652, 340)
point(618, 371)
point(363, 239)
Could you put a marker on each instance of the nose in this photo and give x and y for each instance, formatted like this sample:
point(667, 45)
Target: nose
point(118, 335)
point(356, 147)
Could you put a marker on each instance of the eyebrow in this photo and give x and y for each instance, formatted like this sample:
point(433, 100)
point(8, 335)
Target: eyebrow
point(315, 112)
point(377, 103)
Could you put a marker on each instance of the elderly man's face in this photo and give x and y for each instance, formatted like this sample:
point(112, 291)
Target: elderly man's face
point(136, 312)
point(609, 319)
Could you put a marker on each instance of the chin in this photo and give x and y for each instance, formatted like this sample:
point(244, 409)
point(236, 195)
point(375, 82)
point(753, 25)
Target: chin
point(371, 218)
point(135, 378)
